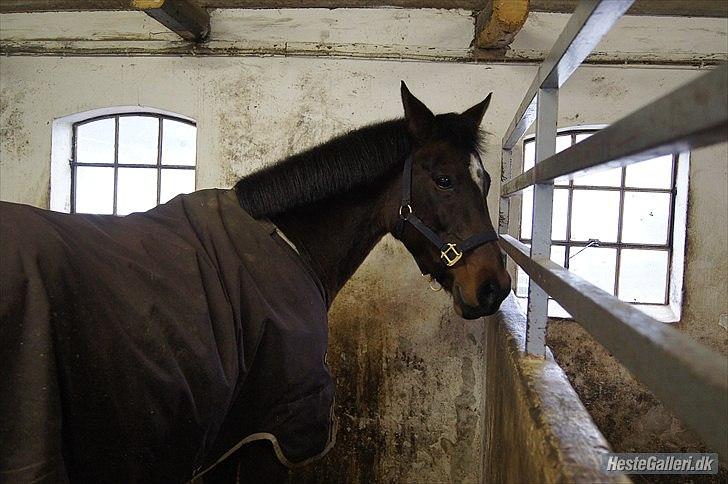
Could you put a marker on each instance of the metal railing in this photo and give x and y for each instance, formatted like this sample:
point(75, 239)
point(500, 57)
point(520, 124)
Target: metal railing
point(688, 377)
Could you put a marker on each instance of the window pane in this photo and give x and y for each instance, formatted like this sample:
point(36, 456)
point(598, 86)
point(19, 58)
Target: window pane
point(522, 284)
point(595, 215)
point(526, 212)
point(557, 311)
point(643, 276)
point(138, 139)
point(646, 217)
point(654, 173)
point(94, 190)
point(596, 265)
point(137, 190)
point(175, 182)
point(95, 142)
point(179, 143)
point(558, 255)
point(561, 208)
point(529, 155)
point(609, 178)
point(562, 142)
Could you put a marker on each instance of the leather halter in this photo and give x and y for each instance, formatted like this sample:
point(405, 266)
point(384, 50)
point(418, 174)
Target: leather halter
point(450, 252)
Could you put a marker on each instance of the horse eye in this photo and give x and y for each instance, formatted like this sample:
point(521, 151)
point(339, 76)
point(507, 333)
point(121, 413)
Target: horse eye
point(444, 182)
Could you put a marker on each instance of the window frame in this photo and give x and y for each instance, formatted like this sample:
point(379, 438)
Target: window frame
point(670, 308)
point(116, 165)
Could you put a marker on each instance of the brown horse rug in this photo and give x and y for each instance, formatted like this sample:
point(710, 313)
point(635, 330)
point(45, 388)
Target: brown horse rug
point(143, 348)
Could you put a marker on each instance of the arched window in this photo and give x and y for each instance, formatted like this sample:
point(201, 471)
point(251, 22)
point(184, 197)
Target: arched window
point(622, 229)
point(123, 161)
point(127, 163)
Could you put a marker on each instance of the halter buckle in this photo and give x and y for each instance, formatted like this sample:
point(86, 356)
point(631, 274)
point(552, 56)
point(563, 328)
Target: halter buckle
point(451, 255)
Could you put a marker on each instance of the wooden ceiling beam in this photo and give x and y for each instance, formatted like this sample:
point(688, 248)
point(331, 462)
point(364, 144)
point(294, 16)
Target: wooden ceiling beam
point(25, 6)
point(677, 8)
point(186, 19)
point(665, 8)
point(182, 17)
point(497, 25)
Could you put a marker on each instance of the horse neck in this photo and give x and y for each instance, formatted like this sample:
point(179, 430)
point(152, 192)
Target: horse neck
point(337, 235)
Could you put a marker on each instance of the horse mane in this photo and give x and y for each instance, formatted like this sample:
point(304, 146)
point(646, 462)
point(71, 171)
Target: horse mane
point(346, 161)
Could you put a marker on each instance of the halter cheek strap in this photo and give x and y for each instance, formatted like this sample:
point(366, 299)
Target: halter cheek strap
point(450, 253)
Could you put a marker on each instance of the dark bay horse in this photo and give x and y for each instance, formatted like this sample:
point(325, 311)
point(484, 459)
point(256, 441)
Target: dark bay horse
point(187, 342)
point(352, 187)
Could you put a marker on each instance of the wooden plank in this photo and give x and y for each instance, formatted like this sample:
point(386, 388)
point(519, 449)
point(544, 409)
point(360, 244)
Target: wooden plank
point(692, 8)
point(186, 19)
point(180, 16)
point(26, 6)
point(497, 25)
point(668, 8)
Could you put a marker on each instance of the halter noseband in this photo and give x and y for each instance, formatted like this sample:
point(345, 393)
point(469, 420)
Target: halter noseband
point(450, 253)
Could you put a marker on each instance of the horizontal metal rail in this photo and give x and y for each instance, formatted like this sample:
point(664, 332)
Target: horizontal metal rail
point(692, 116)
point(686, 376)
point(591, 20)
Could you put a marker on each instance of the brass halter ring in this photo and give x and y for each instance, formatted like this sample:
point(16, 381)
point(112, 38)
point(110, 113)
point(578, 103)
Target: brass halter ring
point(432, 282)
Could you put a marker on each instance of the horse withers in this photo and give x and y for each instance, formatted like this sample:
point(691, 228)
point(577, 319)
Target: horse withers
point(187, 342)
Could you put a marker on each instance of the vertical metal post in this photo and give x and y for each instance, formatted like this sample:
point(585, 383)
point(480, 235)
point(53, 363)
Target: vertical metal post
point(543, 197)
point(505, 202)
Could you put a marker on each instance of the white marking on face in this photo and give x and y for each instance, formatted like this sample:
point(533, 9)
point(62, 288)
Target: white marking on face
point(476, 173)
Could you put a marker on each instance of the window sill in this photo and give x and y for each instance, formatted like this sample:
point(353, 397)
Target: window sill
point(661, 312)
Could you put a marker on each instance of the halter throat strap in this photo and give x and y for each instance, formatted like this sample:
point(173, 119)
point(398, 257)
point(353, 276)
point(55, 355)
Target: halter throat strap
point(450, 253)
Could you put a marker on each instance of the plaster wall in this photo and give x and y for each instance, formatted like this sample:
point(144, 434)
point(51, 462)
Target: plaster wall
point(410, 391)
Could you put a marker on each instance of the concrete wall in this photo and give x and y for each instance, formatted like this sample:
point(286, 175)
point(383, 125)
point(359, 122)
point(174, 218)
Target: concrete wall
point(410, 393)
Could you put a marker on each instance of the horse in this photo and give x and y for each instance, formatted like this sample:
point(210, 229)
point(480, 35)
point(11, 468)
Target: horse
point(188, 342)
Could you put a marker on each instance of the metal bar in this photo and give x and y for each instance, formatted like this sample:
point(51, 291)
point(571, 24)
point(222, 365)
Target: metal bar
point(688, 377)
point(543, 199)
point(134, 165)
point(692, 116)
point(591, 20)
point(504, 207)
point(116, 164)
point(607, 245)
point(160, 133)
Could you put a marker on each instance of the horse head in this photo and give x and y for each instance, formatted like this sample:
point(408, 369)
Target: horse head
point(444, 221)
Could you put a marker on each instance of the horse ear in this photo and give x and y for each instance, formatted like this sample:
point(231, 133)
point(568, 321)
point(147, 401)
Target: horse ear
point(419, 118)
point(474, 115)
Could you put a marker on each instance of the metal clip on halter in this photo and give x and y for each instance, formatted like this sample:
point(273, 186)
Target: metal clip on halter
point(449, 253)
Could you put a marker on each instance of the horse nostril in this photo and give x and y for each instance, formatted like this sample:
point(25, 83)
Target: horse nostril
point(487, 294)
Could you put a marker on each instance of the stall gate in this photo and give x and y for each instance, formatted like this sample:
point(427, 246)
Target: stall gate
point(690, 379)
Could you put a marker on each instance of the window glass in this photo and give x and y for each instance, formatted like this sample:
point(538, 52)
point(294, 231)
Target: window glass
point(175, 182)
point(595, 215)
point(612, 226)
point(138, 137)
point(94, 190)
point(654, 173)
point(646, 217)
point(595, 264)
point(95, 142)
point(133, 168)
point(179, 143)
point(608, 178)
point(643, 276)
